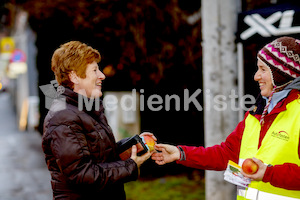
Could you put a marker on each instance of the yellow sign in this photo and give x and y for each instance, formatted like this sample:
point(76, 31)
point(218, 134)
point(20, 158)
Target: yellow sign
point(0, 85)
point(7, 45)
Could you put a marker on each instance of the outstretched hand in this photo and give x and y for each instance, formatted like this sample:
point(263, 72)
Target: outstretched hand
point(165, 154)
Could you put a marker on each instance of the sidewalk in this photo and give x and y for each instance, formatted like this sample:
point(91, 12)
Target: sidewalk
point(23, 171)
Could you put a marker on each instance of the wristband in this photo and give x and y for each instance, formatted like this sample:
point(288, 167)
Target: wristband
point(182, 154)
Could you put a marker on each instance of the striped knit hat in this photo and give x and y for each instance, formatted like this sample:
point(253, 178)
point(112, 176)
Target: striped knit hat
point(282, 58)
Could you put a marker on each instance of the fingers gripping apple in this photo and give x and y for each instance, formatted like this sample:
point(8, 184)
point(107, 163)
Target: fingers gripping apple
point(149, 141)
point(249, 166)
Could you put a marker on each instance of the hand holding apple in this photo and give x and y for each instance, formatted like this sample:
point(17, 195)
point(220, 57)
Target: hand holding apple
point(249, 166)
point(139, 160)
point(149, 141)
point(259, 174)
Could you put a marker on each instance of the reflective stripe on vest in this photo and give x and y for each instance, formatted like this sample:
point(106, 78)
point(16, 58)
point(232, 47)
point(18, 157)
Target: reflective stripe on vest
point(255, 194)
point(280, 145)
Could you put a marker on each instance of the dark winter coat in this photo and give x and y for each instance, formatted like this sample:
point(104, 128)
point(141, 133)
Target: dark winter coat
point(80, 152)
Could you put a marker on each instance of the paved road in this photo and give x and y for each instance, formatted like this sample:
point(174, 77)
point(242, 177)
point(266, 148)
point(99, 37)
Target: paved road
point(23, 172)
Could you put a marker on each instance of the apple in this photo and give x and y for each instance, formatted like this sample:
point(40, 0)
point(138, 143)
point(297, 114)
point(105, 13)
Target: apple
point(249, 166)
point(149, 141)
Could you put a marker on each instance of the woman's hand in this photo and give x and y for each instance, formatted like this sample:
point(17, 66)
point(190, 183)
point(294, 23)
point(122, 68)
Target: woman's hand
point(148, 134)
point(139, 160)
point(258, 176)
point(166, 154)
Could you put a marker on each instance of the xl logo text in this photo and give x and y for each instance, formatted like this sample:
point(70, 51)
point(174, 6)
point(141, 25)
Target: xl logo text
point(266, 28)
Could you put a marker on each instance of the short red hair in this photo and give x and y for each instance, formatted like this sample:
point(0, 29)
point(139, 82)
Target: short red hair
point(72, 56)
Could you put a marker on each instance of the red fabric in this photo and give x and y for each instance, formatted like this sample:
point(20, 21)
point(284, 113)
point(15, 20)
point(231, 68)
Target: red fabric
point(285, 176)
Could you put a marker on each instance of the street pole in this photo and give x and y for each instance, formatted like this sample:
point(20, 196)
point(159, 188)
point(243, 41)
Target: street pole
point(219, 24)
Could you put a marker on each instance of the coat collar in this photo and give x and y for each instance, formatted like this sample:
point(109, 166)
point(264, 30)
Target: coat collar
point(73, 98)
point(281, 105)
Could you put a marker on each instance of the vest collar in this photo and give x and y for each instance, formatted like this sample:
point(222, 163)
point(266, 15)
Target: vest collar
point(277, 96)
point(281, 105)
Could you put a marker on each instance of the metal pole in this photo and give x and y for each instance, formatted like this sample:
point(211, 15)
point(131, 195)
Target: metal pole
point(240, 77)
point(219, 24)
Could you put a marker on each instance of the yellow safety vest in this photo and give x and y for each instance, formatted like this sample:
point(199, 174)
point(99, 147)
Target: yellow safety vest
point(279, 146)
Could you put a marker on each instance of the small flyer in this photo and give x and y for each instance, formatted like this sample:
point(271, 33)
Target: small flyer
point(233, 175)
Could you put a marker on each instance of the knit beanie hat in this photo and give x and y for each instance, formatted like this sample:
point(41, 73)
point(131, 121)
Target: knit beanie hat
point(282, 58)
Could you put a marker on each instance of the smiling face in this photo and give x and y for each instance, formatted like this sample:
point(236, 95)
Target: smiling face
point(264, 79)
point(91, 85)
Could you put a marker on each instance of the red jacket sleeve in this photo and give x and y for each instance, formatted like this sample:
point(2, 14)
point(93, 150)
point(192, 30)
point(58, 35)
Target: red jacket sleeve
point(285, 176)
point(215, 157)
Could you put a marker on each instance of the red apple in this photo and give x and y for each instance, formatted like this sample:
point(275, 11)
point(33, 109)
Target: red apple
point(149, 141)
point(249, 166)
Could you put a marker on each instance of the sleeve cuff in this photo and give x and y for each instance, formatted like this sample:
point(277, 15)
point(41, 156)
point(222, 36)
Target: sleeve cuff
point(182, 154)
point(268, 174)
point(133, 170)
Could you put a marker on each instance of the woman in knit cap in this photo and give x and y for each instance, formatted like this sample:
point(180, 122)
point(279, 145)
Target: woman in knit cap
point(269, 133)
